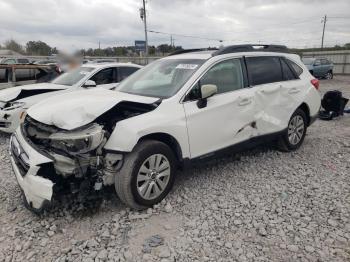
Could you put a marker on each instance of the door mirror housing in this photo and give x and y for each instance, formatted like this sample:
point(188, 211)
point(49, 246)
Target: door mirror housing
point(89, 84)
point(206, 92)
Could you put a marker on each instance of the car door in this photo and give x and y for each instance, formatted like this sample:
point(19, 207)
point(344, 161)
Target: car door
point(265, 76)
point(106, 78)
point(325, 64)
point(228, 117)
point(317, 70)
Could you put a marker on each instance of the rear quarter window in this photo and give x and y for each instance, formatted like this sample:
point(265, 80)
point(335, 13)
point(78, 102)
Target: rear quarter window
point(297, 69)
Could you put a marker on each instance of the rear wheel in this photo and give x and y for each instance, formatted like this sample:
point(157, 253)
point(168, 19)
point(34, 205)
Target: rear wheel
point(294, 136)
point(147, 175)
point(329, 75)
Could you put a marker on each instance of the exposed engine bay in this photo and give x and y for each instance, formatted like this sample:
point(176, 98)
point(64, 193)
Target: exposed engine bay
point(79, 161)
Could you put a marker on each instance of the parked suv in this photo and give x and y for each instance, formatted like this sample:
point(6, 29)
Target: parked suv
point(177, 110)
point(319, 67)
point(15, 101)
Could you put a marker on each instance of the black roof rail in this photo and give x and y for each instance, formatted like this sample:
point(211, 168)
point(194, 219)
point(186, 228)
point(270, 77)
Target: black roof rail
point(184, 51)
point(251, 48)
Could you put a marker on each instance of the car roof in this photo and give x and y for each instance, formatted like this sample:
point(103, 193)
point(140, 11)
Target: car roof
point(104, 65)
point(208, 54)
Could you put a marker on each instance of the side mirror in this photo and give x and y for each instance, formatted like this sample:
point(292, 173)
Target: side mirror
point(206, 92)
point(89, 84)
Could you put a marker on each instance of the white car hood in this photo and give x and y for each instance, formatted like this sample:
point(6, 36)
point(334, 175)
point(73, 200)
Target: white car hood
point(75, 109)
point(12, 93)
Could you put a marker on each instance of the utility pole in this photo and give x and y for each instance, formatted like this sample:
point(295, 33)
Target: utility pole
point(143, 17)
point(171, 40)
point(324, 21)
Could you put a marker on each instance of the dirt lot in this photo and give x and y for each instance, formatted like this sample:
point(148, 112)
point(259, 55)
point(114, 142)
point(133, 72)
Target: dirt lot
point(260, 205)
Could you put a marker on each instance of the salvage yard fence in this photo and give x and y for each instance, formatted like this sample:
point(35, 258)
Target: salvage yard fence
point(340, 59)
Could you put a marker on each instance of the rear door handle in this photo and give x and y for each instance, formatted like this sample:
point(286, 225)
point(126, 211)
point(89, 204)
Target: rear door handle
point(294, 90)
point(245, 101)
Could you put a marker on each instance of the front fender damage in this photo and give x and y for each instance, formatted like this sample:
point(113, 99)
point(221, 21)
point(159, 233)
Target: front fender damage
point(82, 172)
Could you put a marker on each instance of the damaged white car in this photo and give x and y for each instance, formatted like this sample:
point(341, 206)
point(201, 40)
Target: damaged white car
point(15, 101)
point(176, 110)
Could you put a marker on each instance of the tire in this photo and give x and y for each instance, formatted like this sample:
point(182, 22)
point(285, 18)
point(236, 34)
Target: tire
point(130, 180)
point(289, 142)
point(329, 75)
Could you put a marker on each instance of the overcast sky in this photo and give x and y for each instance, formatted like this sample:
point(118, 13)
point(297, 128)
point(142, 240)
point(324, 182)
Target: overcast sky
point(74, 24)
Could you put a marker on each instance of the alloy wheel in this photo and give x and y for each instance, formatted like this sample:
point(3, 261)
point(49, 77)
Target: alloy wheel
point(153, 176)
point(296, 129)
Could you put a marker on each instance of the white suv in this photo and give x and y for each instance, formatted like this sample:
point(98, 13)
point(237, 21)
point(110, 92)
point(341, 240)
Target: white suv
point(176, 110)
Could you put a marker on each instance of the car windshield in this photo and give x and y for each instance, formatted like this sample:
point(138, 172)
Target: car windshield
point(162, 78)
point(308, 61)
point(72, 77)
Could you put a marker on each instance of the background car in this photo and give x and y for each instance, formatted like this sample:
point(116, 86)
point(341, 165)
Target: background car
point(15, 101)
point(319, 67)
point(14, 60)
point(18, 75)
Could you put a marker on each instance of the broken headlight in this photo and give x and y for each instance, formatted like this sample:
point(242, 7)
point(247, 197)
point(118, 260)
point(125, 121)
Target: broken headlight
point(78, 141)
point(14, 105)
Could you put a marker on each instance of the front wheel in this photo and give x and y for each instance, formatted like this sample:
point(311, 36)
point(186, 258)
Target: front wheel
point(147, 175)
point(329, 75)
point(295, 133)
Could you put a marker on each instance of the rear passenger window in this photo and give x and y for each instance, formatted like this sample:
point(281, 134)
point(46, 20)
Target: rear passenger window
point(324, 62)
point(287, 72)
point(297, 69)
point(264, 70)
point(124, 72)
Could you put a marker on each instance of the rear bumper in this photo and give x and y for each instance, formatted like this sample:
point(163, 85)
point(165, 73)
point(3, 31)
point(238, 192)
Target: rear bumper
point(26, 163)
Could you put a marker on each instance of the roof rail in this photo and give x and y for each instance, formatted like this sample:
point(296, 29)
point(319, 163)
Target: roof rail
point(184, 51)
point(251, 48)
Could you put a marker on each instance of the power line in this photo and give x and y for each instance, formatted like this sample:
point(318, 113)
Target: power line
point(189, 36)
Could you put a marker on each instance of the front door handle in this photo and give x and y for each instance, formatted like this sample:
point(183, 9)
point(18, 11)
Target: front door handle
point(294, 90)
point(245, 101)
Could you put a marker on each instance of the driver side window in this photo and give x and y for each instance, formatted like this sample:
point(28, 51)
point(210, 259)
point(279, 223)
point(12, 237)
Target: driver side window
point(105, 76)
point(226, 75)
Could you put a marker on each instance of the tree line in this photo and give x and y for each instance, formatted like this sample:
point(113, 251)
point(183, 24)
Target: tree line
point(30, 48)
point(41, 48)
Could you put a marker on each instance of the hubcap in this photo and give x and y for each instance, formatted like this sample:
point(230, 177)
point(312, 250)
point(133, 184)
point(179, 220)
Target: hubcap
point(153, 176)
point(296, 129)
point(329, 76)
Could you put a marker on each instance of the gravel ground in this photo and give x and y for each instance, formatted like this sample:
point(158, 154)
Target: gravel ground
point(260, 205)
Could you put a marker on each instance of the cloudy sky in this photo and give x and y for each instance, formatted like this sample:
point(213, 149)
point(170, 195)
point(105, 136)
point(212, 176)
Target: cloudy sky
point(74, 24)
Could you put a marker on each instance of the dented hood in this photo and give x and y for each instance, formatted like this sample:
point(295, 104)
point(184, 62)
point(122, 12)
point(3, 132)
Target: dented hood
point(76, 109)
point(22, 92)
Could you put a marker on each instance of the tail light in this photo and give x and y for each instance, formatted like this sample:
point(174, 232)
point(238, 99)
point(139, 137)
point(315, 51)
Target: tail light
point(58, 70)
point(315, 83)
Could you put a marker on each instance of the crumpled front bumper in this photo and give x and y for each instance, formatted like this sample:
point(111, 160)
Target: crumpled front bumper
point(26, 163)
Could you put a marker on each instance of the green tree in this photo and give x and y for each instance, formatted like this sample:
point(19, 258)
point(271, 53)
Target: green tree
point(38, 48)
point(14, 46)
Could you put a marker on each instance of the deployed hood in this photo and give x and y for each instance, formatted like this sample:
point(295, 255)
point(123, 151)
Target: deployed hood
point(72, 110)
point(21, 92)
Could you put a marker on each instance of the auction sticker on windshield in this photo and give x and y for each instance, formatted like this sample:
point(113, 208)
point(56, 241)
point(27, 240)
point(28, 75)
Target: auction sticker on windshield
point(186, 66)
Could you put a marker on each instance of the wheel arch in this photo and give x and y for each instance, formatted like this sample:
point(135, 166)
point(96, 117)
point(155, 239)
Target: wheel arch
point(306, 110)
point(167, 139)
